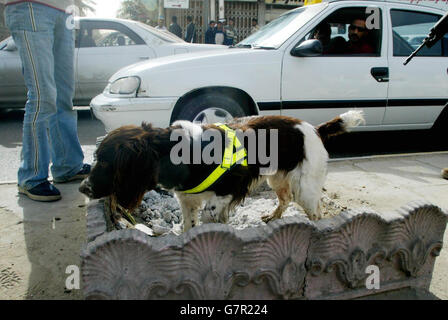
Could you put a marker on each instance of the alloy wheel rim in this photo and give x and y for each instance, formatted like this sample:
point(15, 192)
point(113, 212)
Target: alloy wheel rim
point(213, 115)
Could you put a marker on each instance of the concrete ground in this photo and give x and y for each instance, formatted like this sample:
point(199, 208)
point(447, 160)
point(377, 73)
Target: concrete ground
point(38, 241)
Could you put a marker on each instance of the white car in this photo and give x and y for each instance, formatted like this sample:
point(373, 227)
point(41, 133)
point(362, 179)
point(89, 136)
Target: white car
point(103, 46)
point(281, 70)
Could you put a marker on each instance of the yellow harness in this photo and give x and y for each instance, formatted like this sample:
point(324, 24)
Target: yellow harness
point(229, 159)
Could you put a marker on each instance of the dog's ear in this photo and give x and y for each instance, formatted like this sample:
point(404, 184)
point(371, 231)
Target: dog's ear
point(136, 171)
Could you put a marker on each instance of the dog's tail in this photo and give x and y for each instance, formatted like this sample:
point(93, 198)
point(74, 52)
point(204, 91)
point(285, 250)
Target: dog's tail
point(341, 124)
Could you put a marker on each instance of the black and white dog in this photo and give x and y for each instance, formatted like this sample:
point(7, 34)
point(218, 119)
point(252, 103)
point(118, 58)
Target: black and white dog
point(132, 160)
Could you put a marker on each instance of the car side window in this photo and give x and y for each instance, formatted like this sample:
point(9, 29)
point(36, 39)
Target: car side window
point(107, 35)
point(153, 40)
point(348, 32)
point(111, 38)
point(410, 28)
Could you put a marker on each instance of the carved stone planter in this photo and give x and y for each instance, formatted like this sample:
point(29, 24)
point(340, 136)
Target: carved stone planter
point(291, 258)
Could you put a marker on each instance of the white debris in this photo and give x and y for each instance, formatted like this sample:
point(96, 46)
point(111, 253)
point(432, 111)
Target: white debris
point(144, 229)
point(160, 213)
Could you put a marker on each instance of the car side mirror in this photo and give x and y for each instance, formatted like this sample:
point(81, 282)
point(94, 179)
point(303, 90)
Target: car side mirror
point(11, 46)
point(308, 48)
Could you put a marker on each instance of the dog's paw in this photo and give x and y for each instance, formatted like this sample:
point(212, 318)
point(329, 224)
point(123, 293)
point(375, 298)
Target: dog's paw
point(314, 217)
point(209, 214)
point(268, 218)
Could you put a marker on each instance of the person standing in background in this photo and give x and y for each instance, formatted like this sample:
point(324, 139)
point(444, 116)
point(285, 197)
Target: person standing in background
point(45, 39)
point(210, 33)
point(255, 26)
point(161, 24)
point(220, 35)
point(175, 28)
point(190, 35)
point(230, 31)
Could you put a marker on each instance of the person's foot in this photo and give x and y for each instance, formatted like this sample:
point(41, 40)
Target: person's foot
point(445, 173)
point(81, 175)
point(45, 192)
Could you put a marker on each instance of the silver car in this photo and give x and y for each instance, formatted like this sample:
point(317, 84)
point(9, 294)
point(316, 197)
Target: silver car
point(103, 46)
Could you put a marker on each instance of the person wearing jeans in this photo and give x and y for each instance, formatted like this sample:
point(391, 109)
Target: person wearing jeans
point(45, 42)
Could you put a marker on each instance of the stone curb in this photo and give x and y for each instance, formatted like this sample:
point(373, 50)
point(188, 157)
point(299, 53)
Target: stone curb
point(291, 258)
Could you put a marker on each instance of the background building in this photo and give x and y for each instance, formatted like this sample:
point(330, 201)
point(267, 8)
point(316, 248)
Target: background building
point(202, 11)
point(242, 11)
point(3, 30)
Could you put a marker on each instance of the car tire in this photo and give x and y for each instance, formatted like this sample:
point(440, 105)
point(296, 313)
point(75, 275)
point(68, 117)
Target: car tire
point(441, 124)
point(439, 131)
point(216, 107)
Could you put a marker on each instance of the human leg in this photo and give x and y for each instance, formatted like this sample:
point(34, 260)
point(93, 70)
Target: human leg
point(32, 32)
point(66, 153)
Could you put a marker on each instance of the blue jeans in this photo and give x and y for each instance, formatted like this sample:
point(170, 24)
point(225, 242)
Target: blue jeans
point(50, 132)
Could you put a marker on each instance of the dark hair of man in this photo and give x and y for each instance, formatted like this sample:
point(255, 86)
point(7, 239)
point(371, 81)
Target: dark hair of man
point(360, 16)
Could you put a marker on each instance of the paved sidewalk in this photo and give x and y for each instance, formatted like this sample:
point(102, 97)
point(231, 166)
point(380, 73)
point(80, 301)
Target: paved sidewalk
point(39, 240)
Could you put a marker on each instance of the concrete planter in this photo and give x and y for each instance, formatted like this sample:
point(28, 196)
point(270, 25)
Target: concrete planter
point(291, 258)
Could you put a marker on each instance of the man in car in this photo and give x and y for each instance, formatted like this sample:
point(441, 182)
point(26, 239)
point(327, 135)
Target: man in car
point(359, 41)
point(323, 34)
point(45, 39)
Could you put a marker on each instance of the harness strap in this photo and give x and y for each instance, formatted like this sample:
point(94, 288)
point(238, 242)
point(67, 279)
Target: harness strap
point(230, 158)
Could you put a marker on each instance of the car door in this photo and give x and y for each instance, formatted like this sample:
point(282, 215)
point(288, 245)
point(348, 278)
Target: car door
point(418, 91)
point(104, 48)
point(13, 91)
point(12, 84)
point(318, 88)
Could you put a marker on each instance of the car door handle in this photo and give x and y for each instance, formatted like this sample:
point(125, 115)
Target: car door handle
point(143, 58)
point(381, 74)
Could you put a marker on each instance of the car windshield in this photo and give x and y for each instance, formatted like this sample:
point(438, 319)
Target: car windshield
point(275, 33)
point(166, 36)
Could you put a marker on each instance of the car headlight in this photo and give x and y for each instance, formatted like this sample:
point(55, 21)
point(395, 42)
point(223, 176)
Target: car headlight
point(125, 86)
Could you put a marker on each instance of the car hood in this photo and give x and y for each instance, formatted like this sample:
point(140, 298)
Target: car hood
point(174, 76)
point(201, 46)
point(181, 48)
point(186, 61)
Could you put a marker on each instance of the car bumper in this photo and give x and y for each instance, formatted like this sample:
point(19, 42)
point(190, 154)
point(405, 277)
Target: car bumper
point(116, 112)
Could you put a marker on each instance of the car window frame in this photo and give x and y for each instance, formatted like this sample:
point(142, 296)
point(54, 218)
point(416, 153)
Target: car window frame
point(108, 25)
point(319, 9)
point(443, 50)
point(327, 13)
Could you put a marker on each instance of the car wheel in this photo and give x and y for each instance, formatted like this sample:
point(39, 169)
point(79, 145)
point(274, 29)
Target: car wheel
point(441, 123)
point(211, 108)
point(439, 130)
